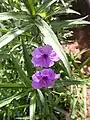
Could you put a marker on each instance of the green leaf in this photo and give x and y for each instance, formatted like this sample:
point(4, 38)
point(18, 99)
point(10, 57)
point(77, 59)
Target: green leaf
point(71, 11)
point(66, 11)
point(27, 60)
point(32, 106)
point(24, 78)
point(10, 1)
point(60, 11)
point(14, 15)
point(11, 85)
point(50, 38)
point(73, 107)
point(23, 118)
point(9, 36)
point(46, 4)
point(7, 100)
point(41, 96)
point(65, 24)
point(20, 95)
point(78, 54)
point(29, 5)
point(72, 82)
point(86, 62)
point(4, 54)
point(10, 99)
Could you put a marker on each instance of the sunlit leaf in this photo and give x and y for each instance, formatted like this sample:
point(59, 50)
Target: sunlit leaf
point(7, 100)
point(41, 96)
point(65, 24)
point(32, 106)
point(72, 11)
point(50, 38)
point(86, 62)
point(64, 11)
point(73, 107)
point(45, 5)
point(67, 11)
point(10, 99)
point(23, 118)
point(9, 36)
point(14, 15)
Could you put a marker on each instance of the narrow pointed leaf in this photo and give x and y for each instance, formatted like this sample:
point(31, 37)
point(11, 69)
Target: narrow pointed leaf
point(58, 24)
point(46, 4)
point(27, 60)
point(14, 15)
point(62, 12)
point(10, 99)
point(29, 5)
point(9, 36)
point(41, 96)
point(66, 11)
point(11, 85)
point(24, 78)
point(7, 100)
point(50, 38)
point(32, 106)
point(72, 11)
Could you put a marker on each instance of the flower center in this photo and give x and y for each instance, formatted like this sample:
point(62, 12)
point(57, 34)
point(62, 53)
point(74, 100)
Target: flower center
point(45, 78)
point(45, 56)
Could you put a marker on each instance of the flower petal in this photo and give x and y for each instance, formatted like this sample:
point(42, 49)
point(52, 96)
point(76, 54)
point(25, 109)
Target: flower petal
point(53, 56)
point(36, 53)
point(37, 62)
point(47, 49)
point(47, 62)
point(56, 76)
point(37, 76)
point(44, 56)
point(36, 85)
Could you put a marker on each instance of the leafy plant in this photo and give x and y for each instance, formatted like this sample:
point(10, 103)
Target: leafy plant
point(24, 26)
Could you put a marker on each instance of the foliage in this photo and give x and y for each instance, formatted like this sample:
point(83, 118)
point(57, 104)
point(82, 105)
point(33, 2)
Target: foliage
point(24, 26)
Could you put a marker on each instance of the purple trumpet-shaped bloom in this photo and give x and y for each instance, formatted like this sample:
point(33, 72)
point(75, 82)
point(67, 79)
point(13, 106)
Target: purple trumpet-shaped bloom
point(44, 56)
point(44, 78)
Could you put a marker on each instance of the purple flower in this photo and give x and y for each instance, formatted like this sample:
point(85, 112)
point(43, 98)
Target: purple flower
point(44, 78)
point(44, 56)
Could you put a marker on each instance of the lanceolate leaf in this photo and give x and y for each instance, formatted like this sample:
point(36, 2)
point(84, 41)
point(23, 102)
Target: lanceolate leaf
point(9, 36)
point(29, 5)
point(14, 15)
point(32, 106)
point(66, 11)
point(10, 99)
point(58, 24)
point(11, 85)
point(50, 38)
point(62, 12)
point(27, 60)
point(46, 4)
point(7, 100)
point(22, 74)
point(41, 96)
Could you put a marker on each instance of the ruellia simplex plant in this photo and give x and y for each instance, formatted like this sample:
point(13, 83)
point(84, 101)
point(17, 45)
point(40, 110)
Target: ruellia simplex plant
point(38, 80)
